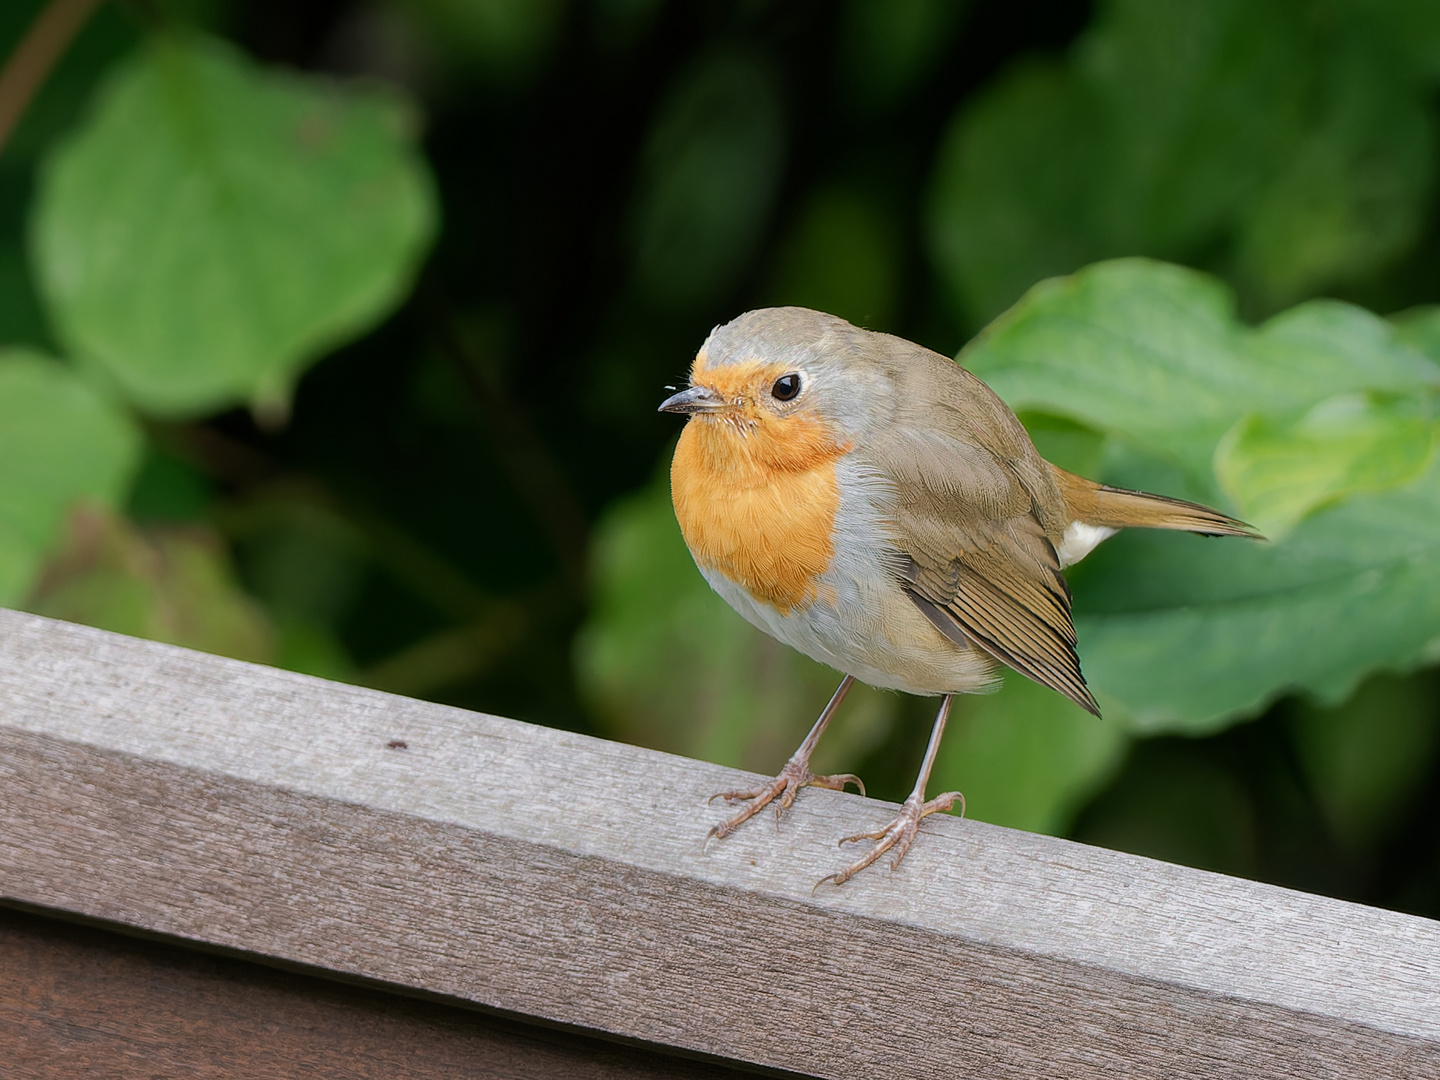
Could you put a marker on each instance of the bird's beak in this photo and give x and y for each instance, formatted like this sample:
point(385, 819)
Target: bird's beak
point(695, 399)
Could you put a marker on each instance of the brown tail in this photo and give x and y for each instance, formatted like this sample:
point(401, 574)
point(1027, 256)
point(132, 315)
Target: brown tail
point(1117, 508)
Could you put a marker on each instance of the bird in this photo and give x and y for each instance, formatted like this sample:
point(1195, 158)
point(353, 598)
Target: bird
point(874, 505)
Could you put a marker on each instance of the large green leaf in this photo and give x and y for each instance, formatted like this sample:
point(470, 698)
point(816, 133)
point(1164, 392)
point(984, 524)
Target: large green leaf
point(1178, 633)
point(1278, 472)
point(215, 226)
point(1154, 354)
point(1188, 634)
point(1420, 329)
point(60, 443)
point(667, 664)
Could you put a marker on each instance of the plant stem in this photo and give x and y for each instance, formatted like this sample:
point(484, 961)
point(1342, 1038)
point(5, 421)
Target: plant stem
point(43, 44)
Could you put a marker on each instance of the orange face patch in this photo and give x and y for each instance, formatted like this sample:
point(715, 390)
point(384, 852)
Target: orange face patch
point(755, 491)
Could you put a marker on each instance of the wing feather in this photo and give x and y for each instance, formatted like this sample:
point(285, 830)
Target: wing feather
point(980, 564)
point(977, 516)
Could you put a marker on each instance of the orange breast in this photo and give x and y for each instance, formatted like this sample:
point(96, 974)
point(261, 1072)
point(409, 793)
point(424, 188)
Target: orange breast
point(758, 504)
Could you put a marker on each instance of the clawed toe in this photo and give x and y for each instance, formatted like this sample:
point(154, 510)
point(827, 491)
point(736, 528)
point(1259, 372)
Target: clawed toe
point(784, 787)
point(838, 782)
point(737, 796)
point(897, 836)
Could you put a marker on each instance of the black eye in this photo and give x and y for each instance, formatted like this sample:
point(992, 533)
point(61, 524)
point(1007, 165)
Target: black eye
point(786, 387)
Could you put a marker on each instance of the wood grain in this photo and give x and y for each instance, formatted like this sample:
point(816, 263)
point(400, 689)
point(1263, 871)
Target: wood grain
point(80, 1002)
point(550, 875)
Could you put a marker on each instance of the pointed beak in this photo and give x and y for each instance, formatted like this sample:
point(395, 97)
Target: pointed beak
point(695, 399)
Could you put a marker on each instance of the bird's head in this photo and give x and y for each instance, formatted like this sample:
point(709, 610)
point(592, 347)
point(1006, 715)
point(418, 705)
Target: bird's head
point(776, 388)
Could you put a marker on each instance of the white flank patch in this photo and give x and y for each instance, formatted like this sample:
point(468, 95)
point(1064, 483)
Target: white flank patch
point(1081, 539)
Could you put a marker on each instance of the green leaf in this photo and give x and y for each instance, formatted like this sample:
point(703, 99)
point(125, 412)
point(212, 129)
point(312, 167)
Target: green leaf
point(1026, 757)
point(1186, 634)
point(1367, 759)
point(1279, 472)
point(1178, 633)
point(667, 664)
point(60, 443)
point(216, 226)
point(1419, 328)
point(1154, 355)
point(171, 585)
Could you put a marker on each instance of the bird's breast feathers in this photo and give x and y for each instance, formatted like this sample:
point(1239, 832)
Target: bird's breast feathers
point(759, 506)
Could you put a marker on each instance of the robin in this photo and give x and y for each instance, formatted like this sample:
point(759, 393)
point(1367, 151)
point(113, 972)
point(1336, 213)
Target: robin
point(876, 506)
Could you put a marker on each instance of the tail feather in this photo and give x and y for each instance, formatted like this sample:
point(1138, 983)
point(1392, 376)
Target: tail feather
point(1116, 508)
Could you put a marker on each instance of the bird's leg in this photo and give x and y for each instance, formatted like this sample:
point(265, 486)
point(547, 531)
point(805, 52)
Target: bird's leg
point(900, 833)
point(795, 775)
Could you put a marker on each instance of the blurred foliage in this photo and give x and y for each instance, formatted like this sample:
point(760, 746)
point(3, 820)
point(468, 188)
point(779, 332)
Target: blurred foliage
point(710, 169)
point(1367, 759)
point(174, 585)
point(1027, 757)
point(505, 39)
point(61, 443)
point(840, 256)
point(1289, 145)
point(288, 214)
point(288, 374)
point(887, 47)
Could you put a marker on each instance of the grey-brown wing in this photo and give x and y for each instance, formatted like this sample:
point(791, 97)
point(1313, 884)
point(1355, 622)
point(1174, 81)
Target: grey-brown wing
point(977, 561)
point(1003, 592)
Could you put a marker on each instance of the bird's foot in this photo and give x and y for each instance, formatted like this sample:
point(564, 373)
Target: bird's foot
point(794, 776)
point(898, 835)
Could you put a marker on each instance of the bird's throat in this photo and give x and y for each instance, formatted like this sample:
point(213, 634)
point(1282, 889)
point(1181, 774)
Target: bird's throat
point(758, 504)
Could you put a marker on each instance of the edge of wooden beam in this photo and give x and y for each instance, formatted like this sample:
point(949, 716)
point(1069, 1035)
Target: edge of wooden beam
point(549, 874)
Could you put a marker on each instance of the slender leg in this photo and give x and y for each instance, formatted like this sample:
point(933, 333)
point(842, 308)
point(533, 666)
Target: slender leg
point(795, 775)
point(900, 833)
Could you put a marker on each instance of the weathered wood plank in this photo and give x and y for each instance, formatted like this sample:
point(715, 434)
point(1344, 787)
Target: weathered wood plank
point(561, 877)
point(80, 1002)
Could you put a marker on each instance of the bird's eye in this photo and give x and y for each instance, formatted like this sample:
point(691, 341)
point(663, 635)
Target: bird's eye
point(786, 387)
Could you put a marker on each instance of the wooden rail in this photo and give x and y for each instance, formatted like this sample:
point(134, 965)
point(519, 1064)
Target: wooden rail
point(562, 879)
